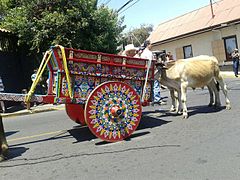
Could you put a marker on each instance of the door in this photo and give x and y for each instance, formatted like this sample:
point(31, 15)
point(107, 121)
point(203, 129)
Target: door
point(230, 43)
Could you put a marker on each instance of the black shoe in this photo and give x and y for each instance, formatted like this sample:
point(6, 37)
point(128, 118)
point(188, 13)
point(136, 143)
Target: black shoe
point(161, 102)
point(236, 75)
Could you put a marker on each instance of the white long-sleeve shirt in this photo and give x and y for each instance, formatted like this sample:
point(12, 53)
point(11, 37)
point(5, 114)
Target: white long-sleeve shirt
point(147, 54)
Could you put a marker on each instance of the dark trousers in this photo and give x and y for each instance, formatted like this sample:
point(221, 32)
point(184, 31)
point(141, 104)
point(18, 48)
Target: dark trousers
point(235, 65)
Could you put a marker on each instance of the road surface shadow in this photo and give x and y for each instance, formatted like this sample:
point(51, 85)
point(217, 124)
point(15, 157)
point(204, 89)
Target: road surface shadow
point(16, 108)
point(16, 152)
point(150, 122)
point(135, 135)
point(193, 110)
point(9, 133)
point(84, 134)
point(204, 110)
point(81, 133)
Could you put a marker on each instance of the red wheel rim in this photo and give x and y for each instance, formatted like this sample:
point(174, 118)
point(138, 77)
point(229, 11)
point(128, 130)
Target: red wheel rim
point(113, 111)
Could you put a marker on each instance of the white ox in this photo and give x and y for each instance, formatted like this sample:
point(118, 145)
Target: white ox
point(194, 72)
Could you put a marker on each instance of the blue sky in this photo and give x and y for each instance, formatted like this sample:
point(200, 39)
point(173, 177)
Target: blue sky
point(154, 11)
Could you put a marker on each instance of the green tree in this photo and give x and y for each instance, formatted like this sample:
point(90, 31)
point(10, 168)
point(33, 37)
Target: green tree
point(81, 24)
point(137, 36)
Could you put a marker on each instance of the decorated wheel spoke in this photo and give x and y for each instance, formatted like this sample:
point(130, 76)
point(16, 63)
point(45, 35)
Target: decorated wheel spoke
point(113, 111)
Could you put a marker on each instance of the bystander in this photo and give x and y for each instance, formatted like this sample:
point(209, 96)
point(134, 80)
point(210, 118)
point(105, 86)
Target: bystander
point(235, 58)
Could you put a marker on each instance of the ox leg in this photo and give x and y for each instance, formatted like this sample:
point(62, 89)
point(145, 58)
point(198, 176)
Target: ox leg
point(178, 102)
point(211, 96)
point(3, 142)
point(184, 99)
point(173, 98)
point(213, 87)
point(224, 90)
point(176, 105)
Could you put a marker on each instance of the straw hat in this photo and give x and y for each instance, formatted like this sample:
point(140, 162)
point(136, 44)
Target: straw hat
point(130, 47)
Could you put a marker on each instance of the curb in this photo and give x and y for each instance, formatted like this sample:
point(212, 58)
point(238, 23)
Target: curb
point(33, 111)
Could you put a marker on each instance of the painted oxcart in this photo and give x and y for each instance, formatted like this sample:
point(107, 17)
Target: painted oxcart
point(106, 92)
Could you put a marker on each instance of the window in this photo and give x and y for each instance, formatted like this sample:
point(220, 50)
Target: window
point(187, 50)
point(230, 43)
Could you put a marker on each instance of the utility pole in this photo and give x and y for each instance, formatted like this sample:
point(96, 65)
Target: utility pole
point(212, 9)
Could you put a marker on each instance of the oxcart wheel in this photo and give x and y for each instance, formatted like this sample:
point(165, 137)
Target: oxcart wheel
point(113, 111)
point(76, 113)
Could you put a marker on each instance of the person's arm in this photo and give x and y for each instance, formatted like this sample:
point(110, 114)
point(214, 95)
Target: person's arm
point(233, 55)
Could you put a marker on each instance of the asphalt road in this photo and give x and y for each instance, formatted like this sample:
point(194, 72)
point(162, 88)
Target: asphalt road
point(205, 146)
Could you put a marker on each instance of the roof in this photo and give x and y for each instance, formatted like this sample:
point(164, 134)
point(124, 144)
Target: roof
point(225, 11)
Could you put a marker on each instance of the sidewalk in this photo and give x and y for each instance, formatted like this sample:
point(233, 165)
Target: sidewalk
point(228, 74)
point(17, 111)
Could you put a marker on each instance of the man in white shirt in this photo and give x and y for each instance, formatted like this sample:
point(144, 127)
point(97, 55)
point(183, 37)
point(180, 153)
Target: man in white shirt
point(147, 54)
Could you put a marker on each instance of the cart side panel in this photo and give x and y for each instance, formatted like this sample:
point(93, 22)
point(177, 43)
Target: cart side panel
point(89, 69)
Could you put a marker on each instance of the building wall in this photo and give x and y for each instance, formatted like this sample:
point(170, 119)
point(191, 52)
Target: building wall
point(208, 43)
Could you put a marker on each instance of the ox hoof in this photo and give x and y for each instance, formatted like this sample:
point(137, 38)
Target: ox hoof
point(217, 105)
point(210, 105)
point(172, 110)
point(179, 112)
point(185, 116)
point(2, 158)
point(228, 107)
point(4, 150)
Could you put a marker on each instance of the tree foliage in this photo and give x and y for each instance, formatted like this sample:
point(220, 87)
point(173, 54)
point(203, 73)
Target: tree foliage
point(137, 36)
point(76, 23)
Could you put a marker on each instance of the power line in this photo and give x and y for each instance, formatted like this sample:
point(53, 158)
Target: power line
point(124, 5)
point(129, 7)
point(107, 2)
point(99, 1)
